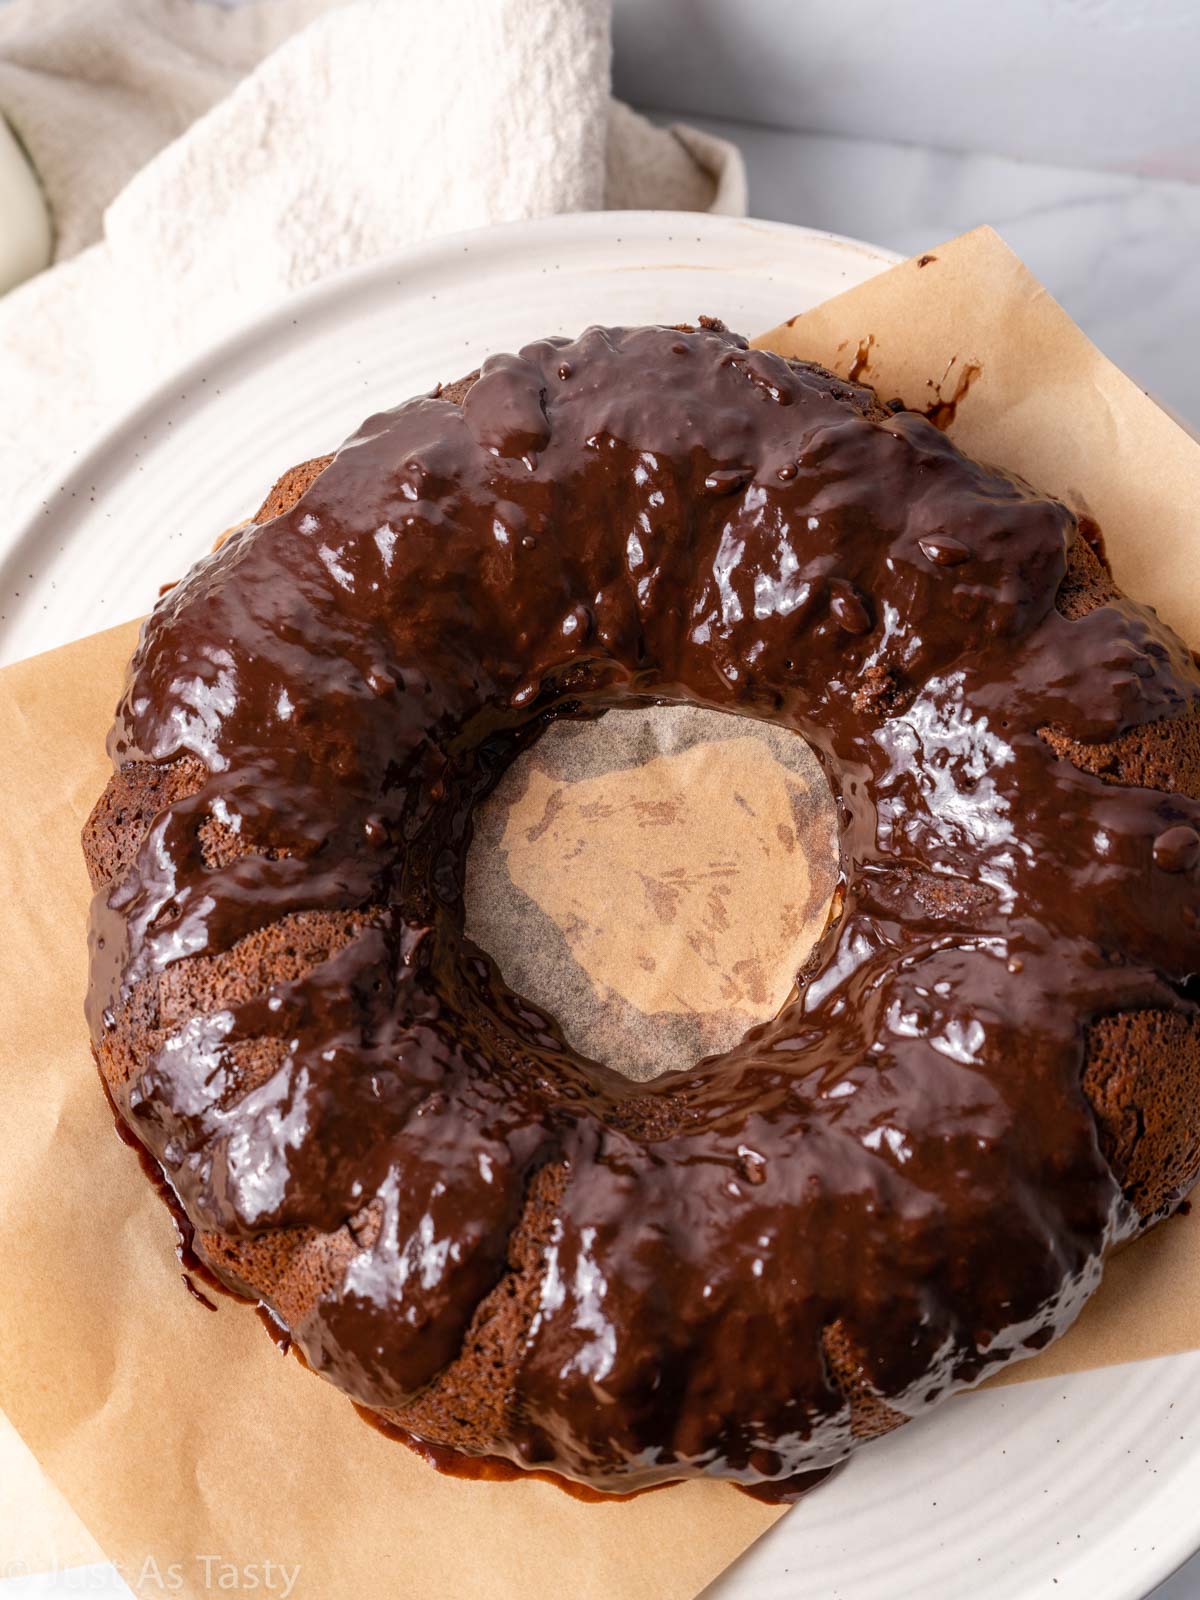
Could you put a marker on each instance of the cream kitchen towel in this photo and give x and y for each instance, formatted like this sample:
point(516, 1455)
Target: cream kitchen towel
point(257, 148)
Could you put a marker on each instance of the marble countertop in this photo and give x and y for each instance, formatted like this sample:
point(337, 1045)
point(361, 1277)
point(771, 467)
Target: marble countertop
point(1120, 252)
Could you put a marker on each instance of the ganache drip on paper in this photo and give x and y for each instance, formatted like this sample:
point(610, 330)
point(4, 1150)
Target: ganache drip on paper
point(905, 1153)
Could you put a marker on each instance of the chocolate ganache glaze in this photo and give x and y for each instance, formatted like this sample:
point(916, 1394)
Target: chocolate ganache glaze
point(895, 1186)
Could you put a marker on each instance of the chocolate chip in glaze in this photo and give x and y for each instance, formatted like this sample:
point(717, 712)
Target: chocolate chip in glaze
point(1177, 850)
point(944, 551)
point(364, 1134)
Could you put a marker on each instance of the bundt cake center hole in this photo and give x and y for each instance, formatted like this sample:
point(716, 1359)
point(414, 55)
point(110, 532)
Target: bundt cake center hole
point(655, 880)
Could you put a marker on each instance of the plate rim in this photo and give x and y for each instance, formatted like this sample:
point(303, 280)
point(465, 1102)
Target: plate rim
point(316, 299)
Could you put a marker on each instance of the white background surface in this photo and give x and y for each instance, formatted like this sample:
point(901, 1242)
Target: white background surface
point(900, 123)
point(1088, 83)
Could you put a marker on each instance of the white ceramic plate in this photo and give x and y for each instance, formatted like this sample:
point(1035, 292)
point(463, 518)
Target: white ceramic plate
point(198, 456)
point(1085, 1489)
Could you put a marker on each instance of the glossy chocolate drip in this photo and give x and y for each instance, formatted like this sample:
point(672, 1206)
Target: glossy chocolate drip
point(905, 1153)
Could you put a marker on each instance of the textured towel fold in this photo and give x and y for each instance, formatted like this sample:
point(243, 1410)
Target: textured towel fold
point(257, 149)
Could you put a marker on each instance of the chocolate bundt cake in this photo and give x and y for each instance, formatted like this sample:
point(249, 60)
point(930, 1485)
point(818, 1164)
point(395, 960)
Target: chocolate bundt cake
point(989, 1073)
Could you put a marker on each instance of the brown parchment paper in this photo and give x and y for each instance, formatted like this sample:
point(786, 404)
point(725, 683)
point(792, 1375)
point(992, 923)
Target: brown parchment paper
point(176, 1434)
point(655, 880)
